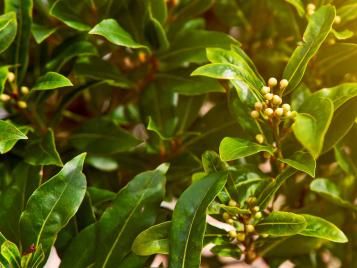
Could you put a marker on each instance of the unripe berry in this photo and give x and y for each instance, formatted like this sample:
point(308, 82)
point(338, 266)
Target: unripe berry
point(268, 96)
point(284, 83)
point(279, 112)
point(258, 106)
point(10, 76)
point(25, 90)
point(288, 114)
point(240, 236)
point(232, 233)
point(232, 203)
point(226, 216)
point(230, 221)
point(22, 104)
point(250, 228)
point(5, 97)
point(272, 82)
point(258, 215)
point(286, 107)
point(252, 200)
point(254, 114)
point(277, 100)
point(265, 90)
point(259, 138)
point(268, 112)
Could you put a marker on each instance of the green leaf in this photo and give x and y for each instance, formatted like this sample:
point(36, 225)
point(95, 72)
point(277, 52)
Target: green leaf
point(103, 163)
point(52, 205)
point(218, 71)
point(321, 228)
point(227, 250)
point(4, 70)
point(52, 80)
point(8, 29)
point(153, 240)
point(155, 34)
point(302, 161)
point(312, 122)
point(212, 163)
point(279, 223)
point(63, 11)
point(235, 148)
point(11, 254)
point(41, 32)
point(343, 35)
point(329, 191)
point(298, 6)
point(77, 255)
point(42, 151)
point(134, 210)
point(114, 33)
point(20, 53)
point(34, 259)
point(189, 220)
point(101, 136)
point(316, 32)
point(9, 135)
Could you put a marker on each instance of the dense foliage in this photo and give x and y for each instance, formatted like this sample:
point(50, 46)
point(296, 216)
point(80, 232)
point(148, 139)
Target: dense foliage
point(240, 113)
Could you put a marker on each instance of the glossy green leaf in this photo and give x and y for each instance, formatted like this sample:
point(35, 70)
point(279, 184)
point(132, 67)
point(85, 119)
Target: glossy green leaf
point(77, 255)
point(321, 228)
point(103, 163)
point(312, 122)
point(302, 161)
point(9, 135)
point(20, 53)
point(8, 29)
point(3, 77)
point(228, 250)
point(329, 190)
point(41, 32)
point(114, 33)
point(343, 35)
point(316, 32)
point(62, 10)
point(189, 220)
point(235, 148)
point(102, 137)
point(134, 210)
point(52, 80)
point(153, 240)
point(212, 163)
point(11, 254)
point(52, 205)
point(42, 151)
point(279, 223)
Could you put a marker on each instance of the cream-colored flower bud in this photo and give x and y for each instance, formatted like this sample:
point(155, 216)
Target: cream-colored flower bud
point(279, 112)
point(5, 97)
point(288, 114)
point(256, 208)
point(268, 112)
point(22, 104)
point(259, 138)
point(272, 82)
point(232, 203)
point(250, 228)
point(284, 83)
point(264, 235)
point(230, 221)
point(265, 90)
point(232, 233)
point(226, 216)
point(25, 90)
point(277, 100)
point(11, 76)
point(254, 114)
point(268, 96)
point(310, 8)
point(286, 107)
point(240, 236)
point(337, 20)
point(258, 215)
point(258, 106)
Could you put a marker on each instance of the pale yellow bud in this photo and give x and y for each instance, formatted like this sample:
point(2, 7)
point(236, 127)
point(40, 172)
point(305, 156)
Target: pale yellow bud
point(11, 76)
point(256, 208)
point(279, 112)
point(284, 83)
point(232, 203)
point(240, 236)
point(5, 97)
point(268, 96)
point(232, 233)
point(22, 104)
point(277, 100)
point(272, 82)
point(337, 20)
point(259, 138)
point(230, 221)
point(250, 228)
point(268, 112)
point(258, 215)
point(265, 90)
point(254, 114)
point(226, 216)
point(25, 90)
point(258, 106)
point(265, 235)
point(286, 107)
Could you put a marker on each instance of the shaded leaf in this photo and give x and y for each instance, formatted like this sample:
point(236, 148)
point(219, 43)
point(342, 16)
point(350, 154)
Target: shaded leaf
point(9, 135)
point(8, 29)
point(52, 80)
point(41, 32)
point(302, 161)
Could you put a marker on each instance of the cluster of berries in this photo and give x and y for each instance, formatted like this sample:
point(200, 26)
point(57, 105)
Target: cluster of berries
point(245, 227)
point(272, 106)
point(24, 90)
